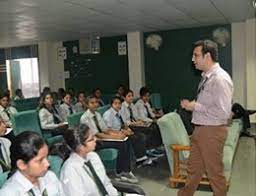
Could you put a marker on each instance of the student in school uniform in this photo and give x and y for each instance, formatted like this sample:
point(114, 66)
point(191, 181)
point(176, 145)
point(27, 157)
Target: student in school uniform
point(146, 114)
point(30, 175)
point(83, 173)
point(72, 93)
point(120, 92)
point(144, 109)
point(49, 118)
point(114, 121)
point(80, 106)
point(5, 161)
point(130, 116)
point(98, 94)
point(99, 129)
point(18, 94)
point(66, 108)
point(6, 110)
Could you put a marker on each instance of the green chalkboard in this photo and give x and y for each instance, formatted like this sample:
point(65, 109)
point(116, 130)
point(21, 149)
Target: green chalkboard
point(105, 70)
point(170, 71)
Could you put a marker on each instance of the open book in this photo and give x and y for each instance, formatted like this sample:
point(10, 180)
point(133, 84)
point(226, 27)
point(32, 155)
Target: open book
point(112, 140)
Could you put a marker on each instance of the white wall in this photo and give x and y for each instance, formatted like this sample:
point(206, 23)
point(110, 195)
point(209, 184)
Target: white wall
point(244, 63)
point(136, 61)
point(251, 65)
point(51, 70)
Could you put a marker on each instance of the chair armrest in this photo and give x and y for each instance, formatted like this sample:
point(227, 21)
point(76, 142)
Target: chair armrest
point(124, 187)
point(177, 147)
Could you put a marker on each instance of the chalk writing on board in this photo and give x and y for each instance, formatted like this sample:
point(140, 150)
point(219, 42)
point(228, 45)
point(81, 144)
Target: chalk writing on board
point(79, 68)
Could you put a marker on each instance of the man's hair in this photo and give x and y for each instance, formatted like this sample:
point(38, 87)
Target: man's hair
point(208, 46)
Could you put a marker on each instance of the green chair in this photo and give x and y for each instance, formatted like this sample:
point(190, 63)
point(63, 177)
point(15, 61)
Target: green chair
point(177, 146)
point(55, 164)
point(155, 100)
point(26, 104)
point(74, 119)
point(29, 121)
point(3, 178)
point(109, 158)
point(103, 109)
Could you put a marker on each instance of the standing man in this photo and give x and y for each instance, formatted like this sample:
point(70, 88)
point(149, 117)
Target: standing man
point(211, 112)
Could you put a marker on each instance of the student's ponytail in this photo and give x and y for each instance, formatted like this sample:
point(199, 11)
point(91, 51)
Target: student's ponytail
point(74, 138)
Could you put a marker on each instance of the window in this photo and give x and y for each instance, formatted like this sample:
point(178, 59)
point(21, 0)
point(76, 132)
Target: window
point(23, 73)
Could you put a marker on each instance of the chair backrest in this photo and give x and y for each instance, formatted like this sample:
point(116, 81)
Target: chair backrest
point(26, 121)
point(74, 119)
point(109, 158)
point(3, 178)
point(155, 100)
point(103, 109)
point(26, 104)
point(55, 164)
point(173, 132)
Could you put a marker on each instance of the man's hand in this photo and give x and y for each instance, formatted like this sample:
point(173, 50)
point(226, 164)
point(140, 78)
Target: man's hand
point(188, 105)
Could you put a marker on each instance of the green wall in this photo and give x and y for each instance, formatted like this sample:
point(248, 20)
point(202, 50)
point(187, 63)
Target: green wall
point(105, 70)
point(170, 71)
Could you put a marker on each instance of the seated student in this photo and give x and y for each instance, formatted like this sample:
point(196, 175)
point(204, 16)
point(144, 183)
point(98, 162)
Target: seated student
point(98, 128)
point(6, 110)
point(18, 94)
point(71, 91)
point(61, 93)
point(144, 109)
point(97, 93)
point(83, 173)
point(114, 121)
point(30, 175)
point(120, 92)
point(49, 117)
point(5, 162)
point(66, 107)
point(130, 116)
point(80, 106)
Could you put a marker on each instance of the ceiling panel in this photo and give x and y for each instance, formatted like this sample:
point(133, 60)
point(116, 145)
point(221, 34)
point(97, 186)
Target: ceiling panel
point(32, 20)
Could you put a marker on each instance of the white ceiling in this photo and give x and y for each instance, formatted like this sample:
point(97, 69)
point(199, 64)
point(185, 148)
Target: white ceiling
point(30, 21)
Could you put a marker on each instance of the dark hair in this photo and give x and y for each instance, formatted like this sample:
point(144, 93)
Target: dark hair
point(42, 99)
point(115, 98)
point(80, 92)
point(46, 89)
point(25, 146)
point(143, 91)
point(73, 139)
point(127, 91)
point(5, 95)
point(66, 93)
point(95, 89)
point(18, 91)
point(90, 97)
point(208, 46)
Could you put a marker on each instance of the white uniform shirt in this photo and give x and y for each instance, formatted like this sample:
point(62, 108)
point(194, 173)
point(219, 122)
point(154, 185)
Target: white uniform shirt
point(3, 114)
point(19, 185)
point(142, 111)
point(5, 147)
point(78, 107)
point(65, 111)
point(46, 119)
point(112, 120)
point(124, 112)
point(87, 118)
point(76, 179)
